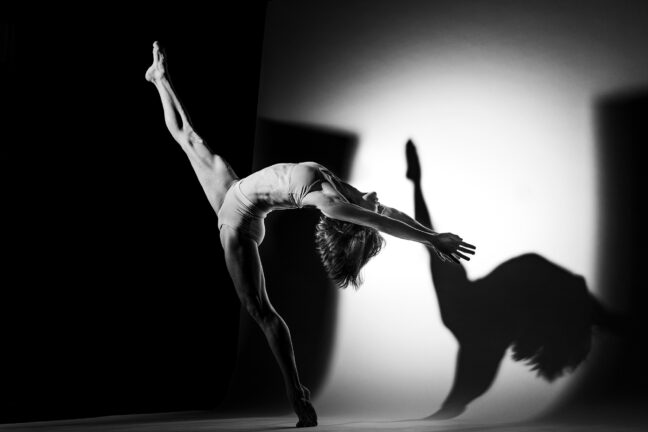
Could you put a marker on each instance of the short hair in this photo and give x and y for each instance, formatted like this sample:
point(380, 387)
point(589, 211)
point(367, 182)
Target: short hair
point(345, 248)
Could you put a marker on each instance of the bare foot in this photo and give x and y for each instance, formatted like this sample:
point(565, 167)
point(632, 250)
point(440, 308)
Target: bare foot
point(158, 68)
point(304, 409)
point(306, 413)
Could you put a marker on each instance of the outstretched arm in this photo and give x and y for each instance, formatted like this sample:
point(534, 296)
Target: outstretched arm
point(462, 249)
point(403, 217)
point(448, 246)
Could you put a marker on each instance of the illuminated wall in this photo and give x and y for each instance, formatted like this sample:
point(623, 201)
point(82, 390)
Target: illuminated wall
point(498, 98)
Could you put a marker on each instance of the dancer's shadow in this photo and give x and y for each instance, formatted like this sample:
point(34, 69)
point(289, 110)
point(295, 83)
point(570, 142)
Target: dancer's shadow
point(539, 309)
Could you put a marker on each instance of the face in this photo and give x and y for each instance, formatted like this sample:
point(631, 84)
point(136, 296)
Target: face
point(370, 201)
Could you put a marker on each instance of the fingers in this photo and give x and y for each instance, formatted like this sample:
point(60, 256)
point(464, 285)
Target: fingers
point(465, 250)
point(455, 252)
point(454, 258)
point(466, 245)
point(463, 244)
point(442, 256)
point(460, 255)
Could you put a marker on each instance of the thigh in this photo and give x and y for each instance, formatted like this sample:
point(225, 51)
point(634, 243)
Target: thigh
point(215, 179)
point(244, 266)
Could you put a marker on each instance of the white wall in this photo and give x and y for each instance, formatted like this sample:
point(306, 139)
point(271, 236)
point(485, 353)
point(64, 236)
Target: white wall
point(498, 97)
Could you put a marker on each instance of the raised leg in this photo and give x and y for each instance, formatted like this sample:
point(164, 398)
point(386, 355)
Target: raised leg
point(244, 265)
point(445, 277)
point(213, 172)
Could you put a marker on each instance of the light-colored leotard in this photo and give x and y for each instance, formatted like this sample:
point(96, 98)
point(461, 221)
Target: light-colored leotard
point(280, 186)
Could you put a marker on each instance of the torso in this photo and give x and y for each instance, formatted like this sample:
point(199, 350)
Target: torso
point(283, 185)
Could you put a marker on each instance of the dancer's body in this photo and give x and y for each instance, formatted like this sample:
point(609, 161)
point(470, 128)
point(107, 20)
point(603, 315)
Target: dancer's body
point(347, 237)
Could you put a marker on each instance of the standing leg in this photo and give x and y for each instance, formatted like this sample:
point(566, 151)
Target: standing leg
point(244, 265)
point(477, 366)
point(213, 172)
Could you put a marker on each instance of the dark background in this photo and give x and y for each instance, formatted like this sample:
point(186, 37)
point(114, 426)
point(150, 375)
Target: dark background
point(115, 297)
point(114, 300)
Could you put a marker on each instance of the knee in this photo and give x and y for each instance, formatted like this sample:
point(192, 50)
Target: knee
point(193, 138)
point(195, 146)
point(186, 138)
point(260, 313)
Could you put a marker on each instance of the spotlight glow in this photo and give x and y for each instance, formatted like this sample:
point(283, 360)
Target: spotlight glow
point(505, 137)
point(509, 170)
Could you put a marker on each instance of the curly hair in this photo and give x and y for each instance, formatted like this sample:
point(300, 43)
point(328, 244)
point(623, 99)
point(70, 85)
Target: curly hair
point(345, 248)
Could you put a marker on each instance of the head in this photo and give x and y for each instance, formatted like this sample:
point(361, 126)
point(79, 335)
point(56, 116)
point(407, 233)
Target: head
point(345, 248)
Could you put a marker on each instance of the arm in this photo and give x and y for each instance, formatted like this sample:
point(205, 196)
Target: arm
point(347, 212)
point(449, 247)
point(398, 215)
point(446, 245)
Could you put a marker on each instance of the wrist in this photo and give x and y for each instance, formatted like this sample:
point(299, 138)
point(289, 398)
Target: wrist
point(432, 240)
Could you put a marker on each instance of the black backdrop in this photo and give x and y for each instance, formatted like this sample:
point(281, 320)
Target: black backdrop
point(112, 300)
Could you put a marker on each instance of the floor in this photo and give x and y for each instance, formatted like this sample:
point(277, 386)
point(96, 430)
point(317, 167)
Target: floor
point(185, 422)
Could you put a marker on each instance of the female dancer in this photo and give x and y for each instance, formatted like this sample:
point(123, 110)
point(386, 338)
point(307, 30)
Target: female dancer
point(347, 235)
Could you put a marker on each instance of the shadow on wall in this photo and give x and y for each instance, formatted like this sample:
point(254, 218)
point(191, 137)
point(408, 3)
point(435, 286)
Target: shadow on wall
point(297, 284)
point(542, 311)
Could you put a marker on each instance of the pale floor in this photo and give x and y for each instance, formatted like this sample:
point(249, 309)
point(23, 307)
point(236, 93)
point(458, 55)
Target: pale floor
point(184, 423)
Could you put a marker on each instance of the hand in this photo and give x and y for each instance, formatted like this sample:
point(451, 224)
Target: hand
point(450, 247)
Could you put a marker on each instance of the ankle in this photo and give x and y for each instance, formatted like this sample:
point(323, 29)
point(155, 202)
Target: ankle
point(297, 393)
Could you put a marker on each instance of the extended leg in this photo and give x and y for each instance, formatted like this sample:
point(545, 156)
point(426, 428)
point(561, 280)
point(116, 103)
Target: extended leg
point(213, 172)
point(445, 276)
point(244, 265)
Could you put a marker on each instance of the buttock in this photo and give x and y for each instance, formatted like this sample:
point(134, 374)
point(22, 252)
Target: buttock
point(240, 214)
